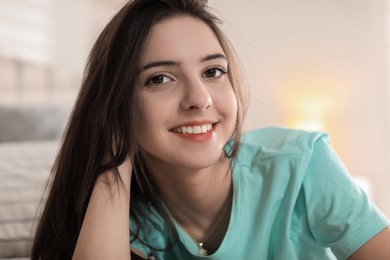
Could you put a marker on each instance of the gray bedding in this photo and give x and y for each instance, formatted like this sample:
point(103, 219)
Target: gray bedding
point(24, 170)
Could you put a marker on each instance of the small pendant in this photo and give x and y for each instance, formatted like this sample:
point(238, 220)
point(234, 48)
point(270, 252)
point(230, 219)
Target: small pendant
point(202, 250)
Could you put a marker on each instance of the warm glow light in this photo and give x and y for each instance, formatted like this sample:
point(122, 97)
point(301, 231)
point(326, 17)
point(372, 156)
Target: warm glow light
point(310, 98)
point(309, 111)
point(310, 124)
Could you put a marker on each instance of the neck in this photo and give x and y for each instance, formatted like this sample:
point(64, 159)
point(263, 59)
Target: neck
point(196, 197)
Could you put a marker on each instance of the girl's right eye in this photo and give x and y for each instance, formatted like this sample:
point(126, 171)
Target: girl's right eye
point(157, 79)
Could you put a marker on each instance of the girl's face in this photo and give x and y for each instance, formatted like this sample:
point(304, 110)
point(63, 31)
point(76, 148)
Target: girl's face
point(189, 107)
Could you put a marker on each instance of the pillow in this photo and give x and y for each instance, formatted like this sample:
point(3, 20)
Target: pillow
point(24, 170)
point(32, 123)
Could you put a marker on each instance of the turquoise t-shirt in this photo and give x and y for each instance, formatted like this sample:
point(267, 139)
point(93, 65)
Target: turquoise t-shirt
point(292, 199)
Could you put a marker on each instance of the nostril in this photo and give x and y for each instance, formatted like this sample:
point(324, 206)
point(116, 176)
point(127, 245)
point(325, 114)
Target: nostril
point(196, 98)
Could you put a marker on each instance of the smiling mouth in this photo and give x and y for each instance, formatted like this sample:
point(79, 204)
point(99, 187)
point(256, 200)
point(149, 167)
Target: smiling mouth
point(195, 129)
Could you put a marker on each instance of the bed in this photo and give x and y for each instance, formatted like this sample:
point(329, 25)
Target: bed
point(29, 141)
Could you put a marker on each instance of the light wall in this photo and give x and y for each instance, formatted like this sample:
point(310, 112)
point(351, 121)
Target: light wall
point(316, 64)
point(320, 65)
point(44, 45)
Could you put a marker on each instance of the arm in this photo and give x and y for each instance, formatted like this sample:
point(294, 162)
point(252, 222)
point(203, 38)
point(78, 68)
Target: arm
point(376, 248)
point(105, 230)
point(340, 214)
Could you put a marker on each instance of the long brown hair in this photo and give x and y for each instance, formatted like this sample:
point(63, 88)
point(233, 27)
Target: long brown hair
point(104, 124)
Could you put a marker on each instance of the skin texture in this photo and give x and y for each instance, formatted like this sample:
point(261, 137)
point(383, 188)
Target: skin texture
point(107, 236)
point(190, 92)
point(184, 82)
point(376, 248)
point(193, 173)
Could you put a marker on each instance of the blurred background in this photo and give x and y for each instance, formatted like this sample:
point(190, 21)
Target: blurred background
point(315, 65)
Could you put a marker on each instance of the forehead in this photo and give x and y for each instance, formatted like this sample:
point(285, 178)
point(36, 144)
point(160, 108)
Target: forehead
point(180, 38)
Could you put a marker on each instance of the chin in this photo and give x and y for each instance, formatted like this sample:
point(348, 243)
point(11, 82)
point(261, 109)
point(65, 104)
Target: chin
point(201, 162)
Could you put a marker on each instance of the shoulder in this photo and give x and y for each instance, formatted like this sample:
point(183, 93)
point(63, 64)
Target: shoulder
point(280, 137)
point(270, 142)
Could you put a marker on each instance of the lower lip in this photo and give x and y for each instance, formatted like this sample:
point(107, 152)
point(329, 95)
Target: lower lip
point(197, 137)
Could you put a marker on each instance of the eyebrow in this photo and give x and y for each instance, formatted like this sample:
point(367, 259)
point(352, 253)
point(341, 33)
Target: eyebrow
point(169, 63)
point(165, 63)
point(213, 57)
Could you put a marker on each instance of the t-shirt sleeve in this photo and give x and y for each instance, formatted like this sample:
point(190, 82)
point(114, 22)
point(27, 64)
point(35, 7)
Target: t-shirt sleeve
point(339, 214)
point(136, 242)
point(153, 238)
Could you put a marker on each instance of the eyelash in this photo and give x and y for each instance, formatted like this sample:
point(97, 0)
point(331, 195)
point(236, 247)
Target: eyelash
point(220, 68)
point(148, 81)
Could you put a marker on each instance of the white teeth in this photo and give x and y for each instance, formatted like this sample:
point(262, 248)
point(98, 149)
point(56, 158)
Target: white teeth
point(197, 129)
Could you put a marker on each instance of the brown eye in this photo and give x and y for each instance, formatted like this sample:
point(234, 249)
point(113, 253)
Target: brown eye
point(157, 79)
point(214, 72)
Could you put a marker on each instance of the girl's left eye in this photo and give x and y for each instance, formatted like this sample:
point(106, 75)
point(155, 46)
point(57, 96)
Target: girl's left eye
point(214, 72)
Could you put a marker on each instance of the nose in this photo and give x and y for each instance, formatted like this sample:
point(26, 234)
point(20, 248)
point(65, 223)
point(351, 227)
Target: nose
point(195, 95)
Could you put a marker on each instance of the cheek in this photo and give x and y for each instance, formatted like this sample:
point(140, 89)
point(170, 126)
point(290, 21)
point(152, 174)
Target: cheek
point(147, 120)
point(151, 108)
point(154, 114)
point(234, 113)
point(232, 108)
point(228, 103)
point(233, 102)
point(148, 130)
